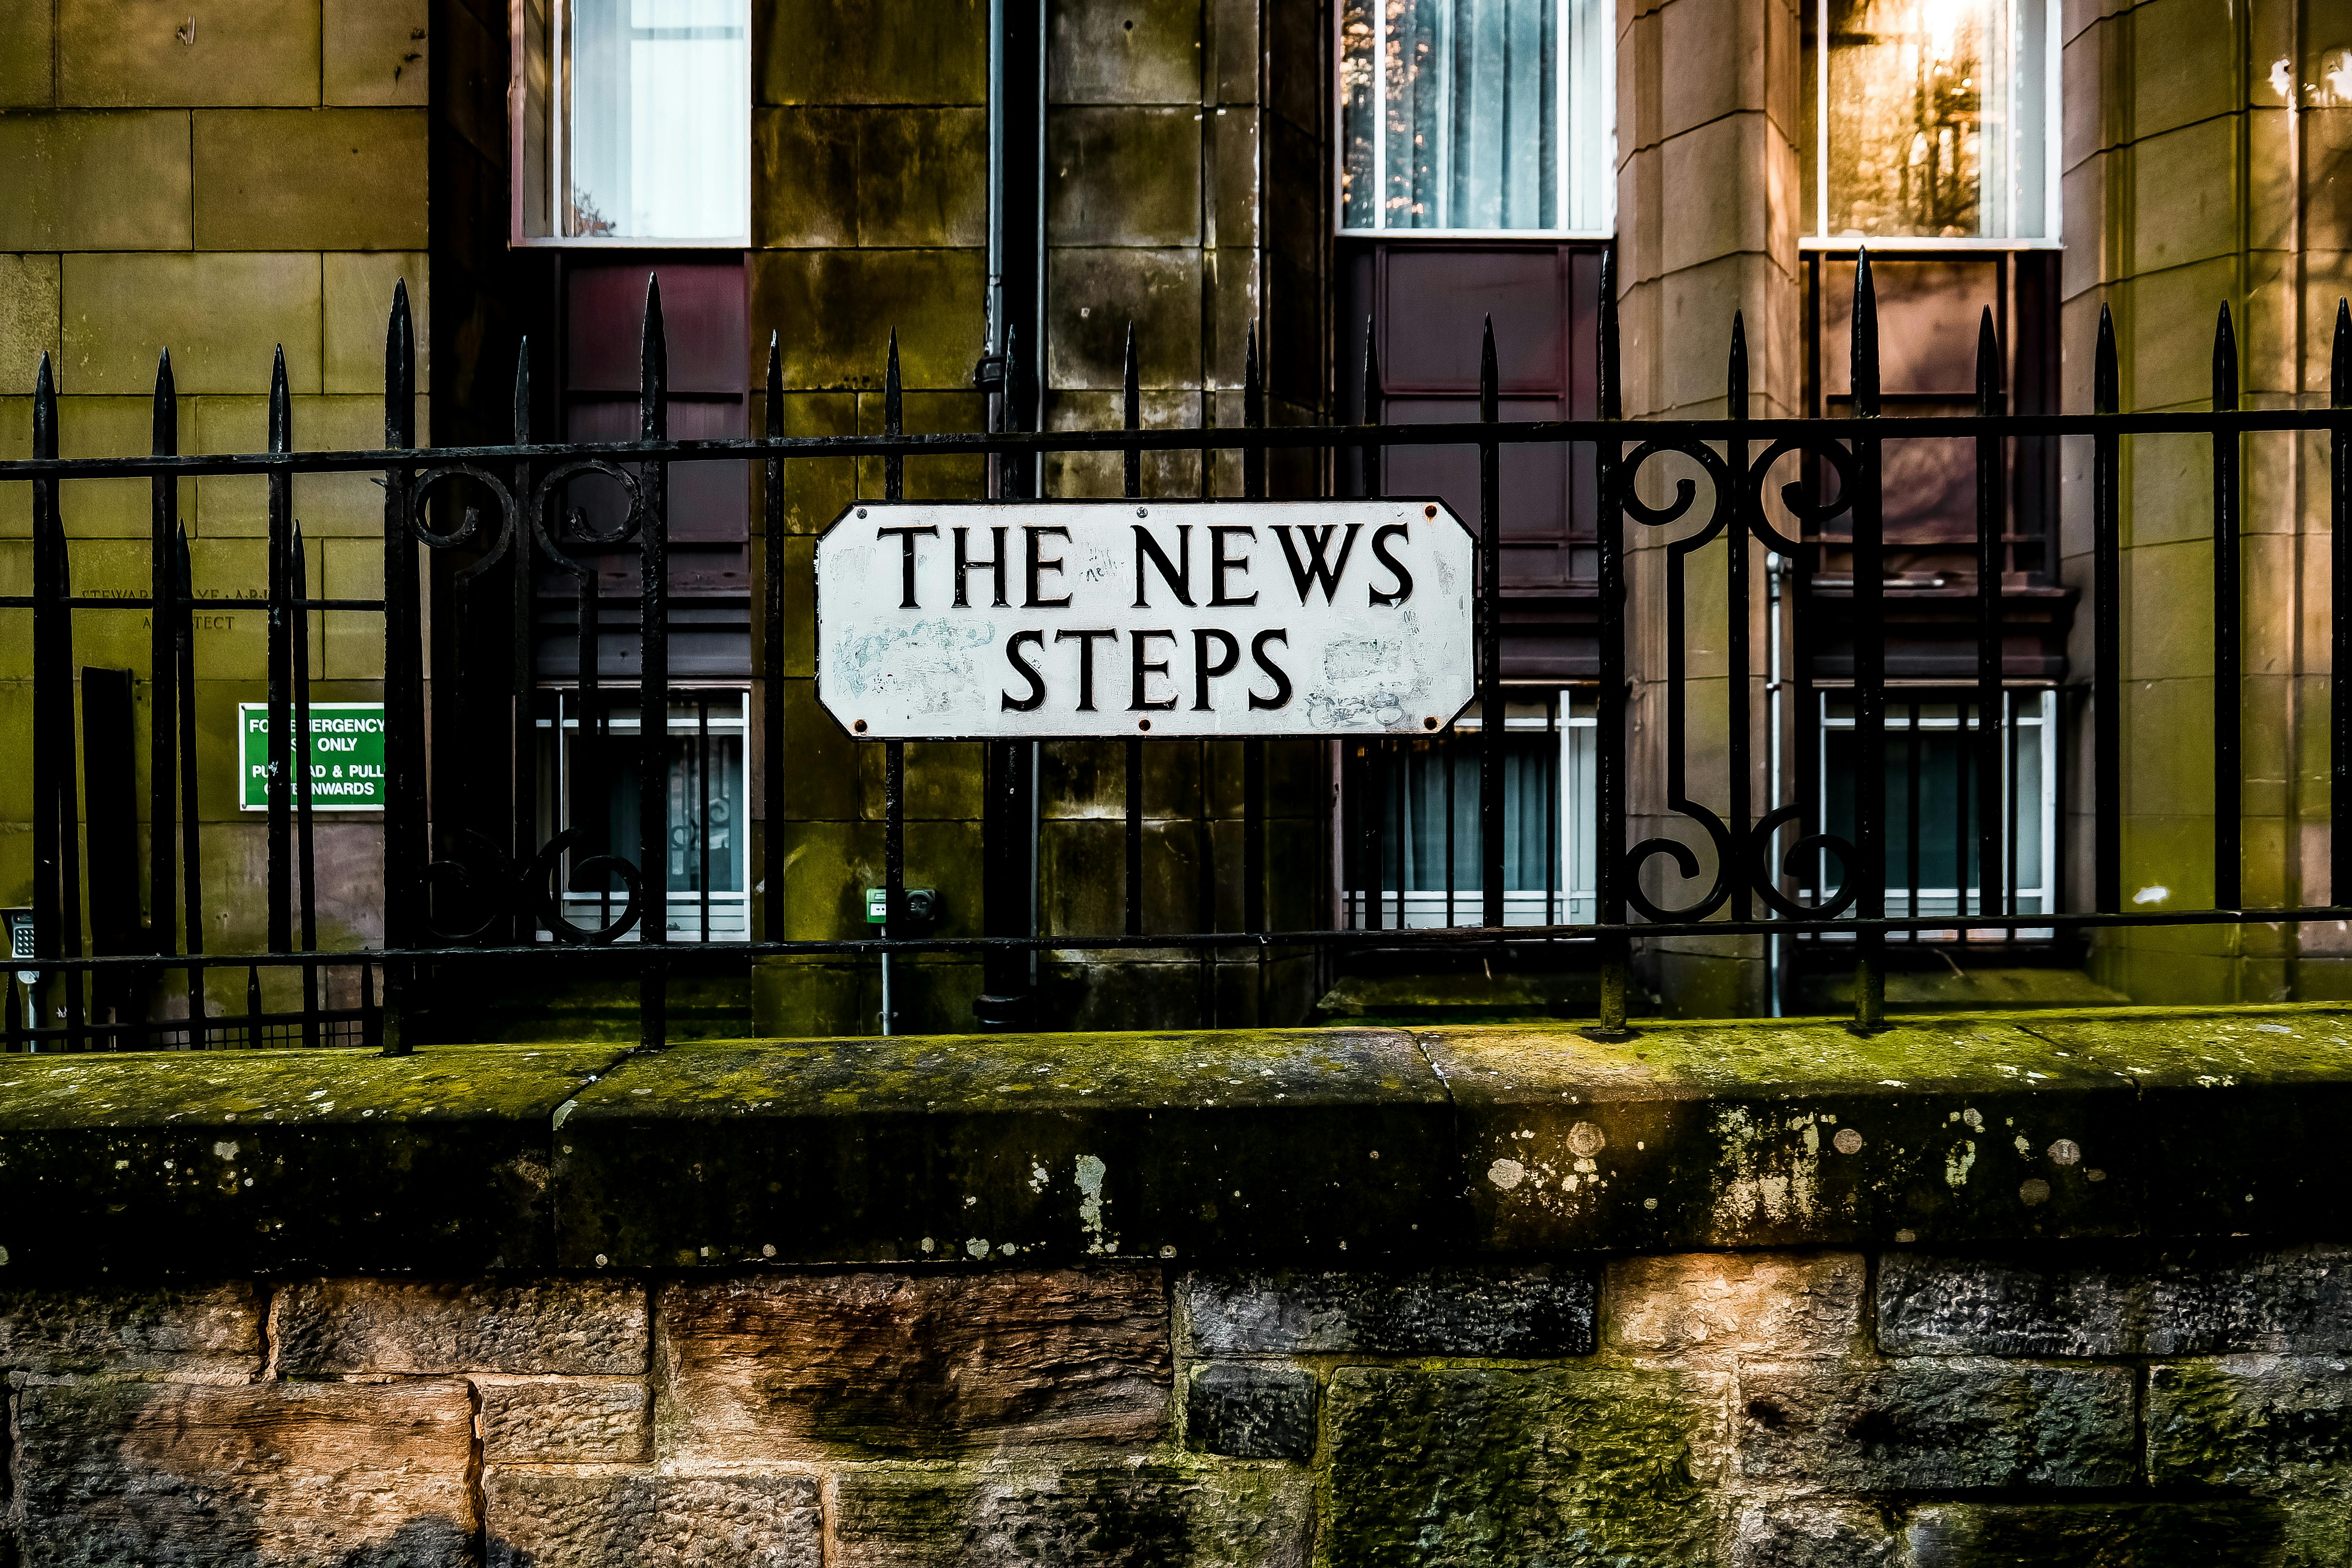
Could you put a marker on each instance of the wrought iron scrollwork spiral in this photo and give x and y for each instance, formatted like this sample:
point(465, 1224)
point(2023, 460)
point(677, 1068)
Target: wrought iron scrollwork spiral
point(550, 489)
point(1742, 855)
point(542, 882)
point(489, 879)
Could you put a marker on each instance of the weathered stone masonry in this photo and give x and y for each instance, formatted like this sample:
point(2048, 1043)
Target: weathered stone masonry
point(1700, 1408)
point(1733, 1296)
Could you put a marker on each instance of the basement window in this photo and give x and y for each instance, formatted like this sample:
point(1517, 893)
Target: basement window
point(632, 123)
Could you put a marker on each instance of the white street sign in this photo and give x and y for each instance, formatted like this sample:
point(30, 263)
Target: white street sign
point(942, 620)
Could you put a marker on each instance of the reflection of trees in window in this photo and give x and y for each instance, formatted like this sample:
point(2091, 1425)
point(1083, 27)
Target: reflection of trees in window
point(1913, 85)
point(1475, 114)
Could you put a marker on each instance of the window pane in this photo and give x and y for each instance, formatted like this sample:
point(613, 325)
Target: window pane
point(658, 131)
point(1454, 114)
point(1935, 119)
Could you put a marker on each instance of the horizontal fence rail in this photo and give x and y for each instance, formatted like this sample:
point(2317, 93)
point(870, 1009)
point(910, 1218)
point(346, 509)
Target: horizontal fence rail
point(114, 953)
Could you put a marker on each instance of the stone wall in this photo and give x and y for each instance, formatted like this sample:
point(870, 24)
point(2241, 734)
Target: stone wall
point(224, 179)
point(1817, 1408)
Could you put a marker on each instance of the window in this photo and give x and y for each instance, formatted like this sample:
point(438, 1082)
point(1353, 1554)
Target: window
point(1413, 807)
point(1931, 119)
point(1933, 807)
point(632, 121)
point(708, 783)
point(1474, 116)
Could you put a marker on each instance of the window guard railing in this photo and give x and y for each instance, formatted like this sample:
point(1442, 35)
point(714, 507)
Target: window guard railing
point(484, 897)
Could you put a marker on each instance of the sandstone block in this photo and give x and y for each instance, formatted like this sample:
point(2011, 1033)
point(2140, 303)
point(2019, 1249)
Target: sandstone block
point(312, 179)
point(372, 51)
point(577, 1327)
point(641, 1521)
point(95, 181)
point(1506, 1468)
point(221, 315)
point(803, 1365)
point(2205, 1302)
point(28, 59)
point(1810, 1534)
point(1249, 1410)
point(215, 1330)
point(2258, 1421)
point(29, 307)
point(565, 1423)
point(1737, 1303)
point(1536, 1312)
point(358, 286)
point(1964, 1535)
point(270, 1473)
point(1150, 1516)
point(1921, 1426)
point(122, 53)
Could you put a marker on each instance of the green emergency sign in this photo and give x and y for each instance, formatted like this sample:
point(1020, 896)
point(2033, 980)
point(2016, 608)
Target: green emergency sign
point(346, 756)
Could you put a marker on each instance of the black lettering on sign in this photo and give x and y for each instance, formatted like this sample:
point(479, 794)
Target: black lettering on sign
point(1027, 671)
point(1037, 565)
point(1281, 698)
point(1403, 589)
point(1316, 569)
point(907, 560)
point(965, 566)
point(1143, 668)
point(1204, 672)
point(1220, 563)
point(1085, 641)
point(1178, 577)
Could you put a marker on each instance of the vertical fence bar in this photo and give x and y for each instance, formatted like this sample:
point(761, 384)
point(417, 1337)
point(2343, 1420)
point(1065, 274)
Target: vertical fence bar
point(2108, 633)
point(1737, 736)
point(1551, 810)
point(894, 752)
point(522, 720)
point(1006, 891)
point(305, 842)
point(772, 691)
point(702, 807)
point(281, 774)
point(184, 649)
point(1490, 640)
point(255, 1030)
point(1960, 824)
point(1609, 716)
point(1370, 865)
point(404, 739)
point(1911, 760)
point(1253, 749)
point(2226, 610)
point(1869, 662)
point(2339, 512)
point(1991, 525)
point(1131, 487)
point(57, 858)
point(162, 663)
point(653, 674)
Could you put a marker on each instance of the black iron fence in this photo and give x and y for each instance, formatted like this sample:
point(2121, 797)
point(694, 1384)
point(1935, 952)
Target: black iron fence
point(1815, 864)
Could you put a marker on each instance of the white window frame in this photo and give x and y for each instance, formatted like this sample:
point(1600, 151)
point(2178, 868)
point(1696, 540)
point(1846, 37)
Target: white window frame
point(1817, 235)
point(521, 108)
point(1421, 909)
point(2034, 708)
point(1564, 120)
point(730, 912)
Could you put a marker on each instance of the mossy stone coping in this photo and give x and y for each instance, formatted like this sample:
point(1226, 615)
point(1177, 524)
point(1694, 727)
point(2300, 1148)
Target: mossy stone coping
point(1332, 1146)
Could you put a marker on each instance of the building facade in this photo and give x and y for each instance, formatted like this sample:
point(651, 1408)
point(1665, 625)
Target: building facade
point(1329, 201)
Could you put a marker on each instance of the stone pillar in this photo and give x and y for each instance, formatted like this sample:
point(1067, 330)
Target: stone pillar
point(1709, 198)
point(2198, 168)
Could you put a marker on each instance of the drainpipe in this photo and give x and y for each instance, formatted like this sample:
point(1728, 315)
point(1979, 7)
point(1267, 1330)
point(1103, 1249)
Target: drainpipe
point(1012, 373)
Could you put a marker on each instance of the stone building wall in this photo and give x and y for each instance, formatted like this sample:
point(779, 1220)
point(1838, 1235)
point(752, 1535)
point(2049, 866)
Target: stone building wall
point(221, 178)
point(1816, 1409)
point(2204, 166)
